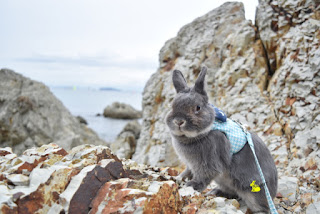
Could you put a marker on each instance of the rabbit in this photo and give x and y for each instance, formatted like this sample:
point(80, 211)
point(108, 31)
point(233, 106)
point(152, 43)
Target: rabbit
point(206, 152)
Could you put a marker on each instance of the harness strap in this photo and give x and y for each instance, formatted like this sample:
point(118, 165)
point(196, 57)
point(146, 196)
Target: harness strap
point(272, 207)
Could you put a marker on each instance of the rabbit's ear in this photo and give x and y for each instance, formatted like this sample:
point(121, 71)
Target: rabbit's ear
point(199, 85)
point(179, 82)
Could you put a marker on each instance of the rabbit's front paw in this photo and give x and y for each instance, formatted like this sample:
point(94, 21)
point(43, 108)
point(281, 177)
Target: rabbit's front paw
point(199, 186)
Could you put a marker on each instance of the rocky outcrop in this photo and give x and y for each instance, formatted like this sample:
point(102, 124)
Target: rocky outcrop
point(30, 115)
point(290, 32)
point(266, 76)
point(293, 47)
point(126, 142)
point(90, 179)
point(121, 111)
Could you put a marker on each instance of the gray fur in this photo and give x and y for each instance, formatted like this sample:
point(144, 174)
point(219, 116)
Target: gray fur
point(206, 152)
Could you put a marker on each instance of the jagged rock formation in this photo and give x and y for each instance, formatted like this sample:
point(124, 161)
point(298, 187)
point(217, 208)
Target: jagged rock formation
point(90, 179)
point(290, 32)
point(30, 115)
point(266, 76)
point(121, 111)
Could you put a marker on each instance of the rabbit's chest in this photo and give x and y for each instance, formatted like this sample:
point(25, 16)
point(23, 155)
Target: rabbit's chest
point(189, 154)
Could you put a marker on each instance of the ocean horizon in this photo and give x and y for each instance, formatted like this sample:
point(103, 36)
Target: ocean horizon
point(88, 102)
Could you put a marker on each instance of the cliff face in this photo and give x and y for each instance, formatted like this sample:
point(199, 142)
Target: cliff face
point(30, 115)
point(290, 32)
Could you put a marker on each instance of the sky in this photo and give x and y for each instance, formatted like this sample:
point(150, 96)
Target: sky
point(94, 43)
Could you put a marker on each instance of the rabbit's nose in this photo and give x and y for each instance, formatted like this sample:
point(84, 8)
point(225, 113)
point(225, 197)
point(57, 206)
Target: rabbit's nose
point(179, 122)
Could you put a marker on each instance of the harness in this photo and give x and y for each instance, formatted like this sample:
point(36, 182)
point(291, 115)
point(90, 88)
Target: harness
point(234, 133)
point(238, 136)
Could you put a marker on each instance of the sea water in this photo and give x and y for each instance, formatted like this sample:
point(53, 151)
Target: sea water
point(88, 102)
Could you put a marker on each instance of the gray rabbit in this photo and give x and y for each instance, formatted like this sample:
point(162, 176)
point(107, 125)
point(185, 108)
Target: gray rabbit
point(206, 152)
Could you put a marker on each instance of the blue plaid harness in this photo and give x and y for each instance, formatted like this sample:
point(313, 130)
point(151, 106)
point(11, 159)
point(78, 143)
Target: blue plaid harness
point(238, 136)
point(234, 133)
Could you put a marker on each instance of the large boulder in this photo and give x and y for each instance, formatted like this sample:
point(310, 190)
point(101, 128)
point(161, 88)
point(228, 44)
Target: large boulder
point(121, 111)
point(30, 115)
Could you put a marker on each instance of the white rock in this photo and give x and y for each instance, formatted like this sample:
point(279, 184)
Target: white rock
point(188, 191)
point(154, 187)
point(313, 208)
point(287, 186)
point(18, 179)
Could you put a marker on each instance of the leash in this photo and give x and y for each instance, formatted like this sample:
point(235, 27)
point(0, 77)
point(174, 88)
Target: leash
point(237, 142)
point(272, 207)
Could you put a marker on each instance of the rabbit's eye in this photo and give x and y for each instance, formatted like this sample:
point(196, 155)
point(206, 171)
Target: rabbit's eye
point(198, 108)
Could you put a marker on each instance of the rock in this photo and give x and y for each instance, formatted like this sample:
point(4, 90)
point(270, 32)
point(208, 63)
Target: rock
point(91, 179)
point(287, 187)
point(18, 179)
point(124, 198)
point(121, 111)
point(125, 144)
point(292, 46)
point(30, 115)
point(188, 191)
point(134, 127)
point(82, 120)
point(313, 208)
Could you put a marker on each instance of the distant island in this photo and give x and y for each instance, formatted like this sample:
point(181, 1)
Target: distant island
point(109, 89)
point(74, 88)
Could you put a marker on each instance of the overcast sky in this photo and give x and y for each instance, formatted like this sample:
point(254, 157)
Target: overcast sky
point(93, 42)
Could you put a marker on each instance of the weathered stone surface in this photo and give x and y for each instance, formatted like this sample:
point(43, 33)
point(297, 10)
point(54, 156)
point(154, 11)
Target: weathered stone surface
point(30, 115)
point(90, 179)
point(18, 179)
point(121, 111)
point(292, 45)
point(313, 208)
point(288, 187)
point(125, 144)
